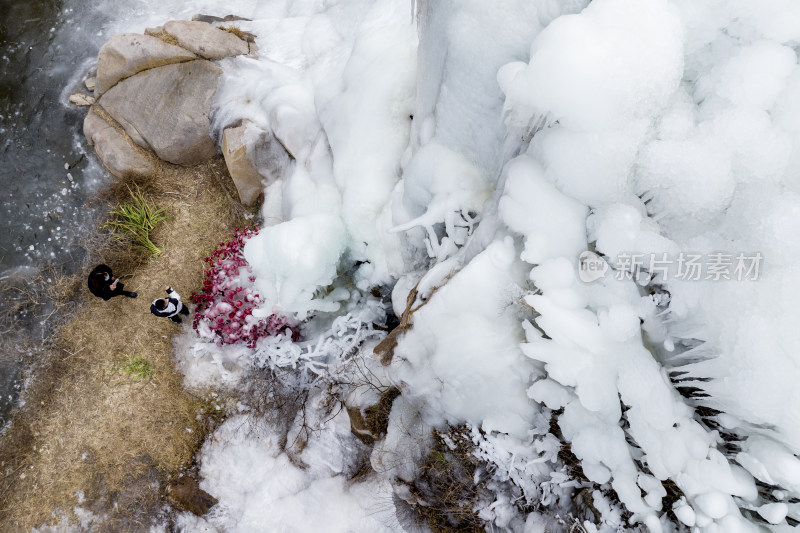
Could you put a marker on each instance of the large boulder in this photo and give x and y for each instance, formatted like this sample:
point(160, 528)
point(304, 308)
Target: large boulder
point(121, 158)
point(205, 40)
point(254, 158)
point(126, 54)
point(166, 109)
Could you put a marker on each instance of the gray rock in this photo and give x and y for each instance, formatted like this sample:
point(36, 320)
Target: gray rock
point(358, 426)
point(211, 18)
point(246, 36)
point(255, 159)
point(92, 124)
point(81, 99)
point(90, 83)
point(242, 171)
point(120, 158)
point(166, 109)
point(199, 17)
point(129, 53)
point(270, 157)
point(205, 40)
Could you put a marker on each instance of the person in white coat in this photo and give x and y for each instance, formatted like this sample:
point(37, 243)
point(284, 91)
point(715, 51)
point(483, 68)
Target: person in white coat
point(169, 307)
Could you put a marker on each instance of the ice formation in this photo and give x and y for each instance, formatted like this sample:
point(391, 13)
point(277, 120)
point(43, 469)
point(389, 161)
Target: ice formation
point(473, 151)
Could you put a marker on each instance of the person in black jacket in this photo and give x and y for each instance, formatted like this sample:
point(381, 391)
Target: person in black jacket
point(169, 307)
point(103, 284)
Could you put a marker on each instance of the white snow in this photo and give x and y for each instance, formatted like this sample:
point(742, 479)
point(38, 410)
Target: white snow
point(455, 374)
point(261, 488)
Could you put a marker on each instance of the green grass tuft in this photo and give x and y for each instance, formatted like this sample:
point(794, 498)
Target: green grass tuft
point(136, 367)
point(137, 219)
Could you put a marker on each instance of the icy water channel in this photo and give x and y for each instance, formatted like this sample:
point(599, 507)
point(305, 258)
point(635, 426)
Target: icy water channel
point(45, 174)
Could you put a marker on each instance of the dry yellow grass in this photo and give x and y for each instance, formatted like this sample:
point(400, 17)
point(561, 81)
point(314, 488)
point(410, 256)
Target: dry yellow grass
point(235, 30)
point(88, 428)
point(240, 33)
point(167, 38)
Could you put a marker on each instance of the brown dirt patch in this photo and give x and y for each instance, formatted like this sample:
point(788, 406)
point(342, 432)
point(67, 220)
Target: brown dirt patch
point(88, 428)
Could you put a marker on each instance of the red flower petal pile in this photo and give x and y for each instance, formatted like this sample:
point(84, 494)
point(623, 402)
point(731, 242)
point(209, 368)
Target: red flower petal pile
point(226, 306)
